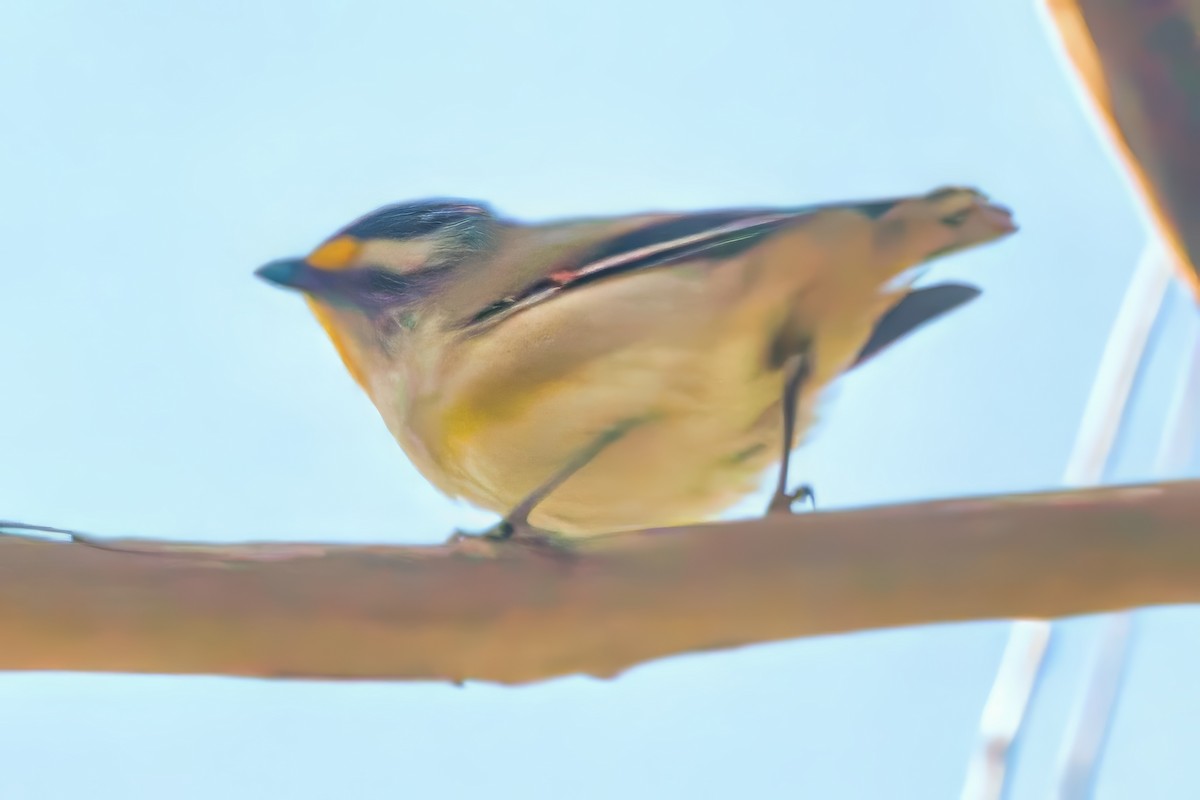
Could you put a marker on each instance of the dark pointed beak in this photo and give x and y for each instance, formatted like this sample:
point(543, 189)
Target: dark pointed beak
point(290, 273)
point(371, 290)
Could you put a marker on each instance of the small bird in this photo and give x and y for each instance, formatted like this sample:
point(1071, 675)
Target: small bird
point(594, 375)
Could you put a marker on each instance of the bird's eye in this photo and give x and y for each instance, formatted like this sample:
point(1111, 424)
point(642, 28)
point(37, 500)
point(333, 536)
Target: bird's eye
point(382, 288)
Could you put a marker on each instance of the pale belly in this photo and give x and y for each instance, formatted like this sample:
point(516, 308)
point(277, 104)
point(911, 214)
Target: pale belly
point(679, 358)
point(695, 434)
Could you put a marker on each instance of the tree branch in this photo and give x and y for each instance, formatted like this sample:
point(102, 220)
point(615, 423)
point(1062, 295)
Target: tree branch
point(514, 613)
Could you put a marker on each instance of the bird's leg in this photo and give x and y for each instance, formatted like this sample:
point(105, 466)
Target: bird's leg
point(796, 370)
point(516, 525)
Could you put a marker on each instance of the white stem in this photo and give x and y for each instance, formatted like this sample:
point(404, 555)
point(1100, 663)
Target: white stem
point(1093, 715)
point(1006, 707)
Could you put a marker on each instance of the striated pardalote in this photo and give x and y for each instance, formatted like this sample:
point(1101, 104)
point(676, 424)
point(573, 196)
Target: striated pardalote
point(595, 375)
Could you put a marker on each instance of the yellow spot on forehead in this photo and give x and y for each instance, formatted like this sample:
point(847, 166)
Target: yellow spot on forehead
point(335, 254)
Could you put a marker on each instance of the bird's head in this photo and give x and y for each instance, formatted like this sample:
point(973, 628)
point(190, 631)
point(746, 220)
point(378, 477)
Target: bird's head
point(385, 274)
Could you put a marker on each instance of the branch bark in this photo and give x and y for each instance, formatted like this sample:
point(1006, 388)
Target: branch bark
point(513, 613)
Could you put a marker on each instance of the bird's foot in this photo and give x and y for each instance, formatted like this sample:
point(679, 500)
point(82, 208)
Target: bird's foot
point(785, 502)
point(518, 531)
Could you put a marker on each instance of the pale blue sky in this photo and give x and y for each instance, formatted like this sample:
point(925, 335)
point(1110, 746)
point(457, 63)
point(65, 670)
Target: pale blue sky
point(152, 154)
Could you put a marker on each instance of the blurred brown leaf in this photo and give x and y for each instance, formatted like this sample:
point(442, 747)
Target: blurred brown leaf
point(1140, 62)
